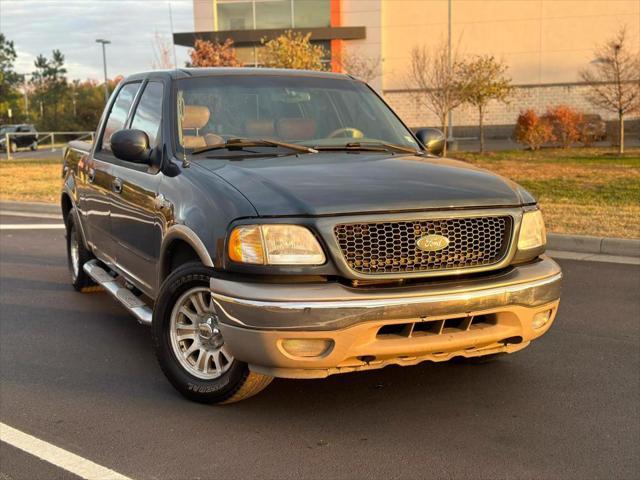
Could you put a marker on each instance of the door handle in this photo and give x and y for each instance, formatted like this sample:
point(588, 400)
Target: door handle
point(117, 185)
point(91, 175)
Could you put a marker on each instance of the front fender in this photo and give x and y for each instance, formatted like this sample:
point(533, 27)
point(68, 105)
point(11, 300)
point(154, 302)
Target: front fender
point(185, 234)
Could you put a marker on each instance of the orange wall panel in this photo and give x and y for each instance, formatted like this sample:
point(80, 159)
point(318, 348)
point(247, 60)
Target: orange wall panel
point(336, 45)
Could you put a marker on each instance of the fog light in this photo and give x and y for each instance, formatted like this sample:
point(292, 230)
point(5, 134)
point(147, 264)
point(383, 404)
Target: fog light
point(540, 319)
point(312, 347)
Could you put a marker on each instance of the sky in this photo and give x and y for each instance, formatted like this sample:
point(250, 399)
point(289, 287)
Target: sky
point(72, 26)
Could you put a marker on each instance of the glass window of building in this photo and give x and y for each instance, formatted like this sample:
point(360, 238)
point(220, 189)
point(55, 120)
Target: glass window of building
point(273, 14)
point(311, 13)
point(235, 15)
point(247, 55)
point(268, 14)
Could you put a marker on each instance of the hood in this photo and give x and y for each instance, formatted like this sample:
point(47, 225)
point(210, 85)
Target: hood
point(334, 183)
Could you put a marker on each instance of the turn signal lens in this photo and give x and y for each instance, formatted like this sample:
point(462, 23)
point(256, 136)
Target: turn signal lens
point(275, 245)
point(302, 347)
point(533, 233)
point(540, 319)
point(245, 245)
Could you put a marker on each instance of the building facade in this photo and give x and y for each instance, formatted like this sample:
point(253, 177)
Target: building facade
point(248, 22)
point(545, 43)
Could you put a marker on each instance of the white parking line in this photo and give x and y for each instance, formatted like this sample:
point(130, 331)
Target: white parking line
point(13, 213)
point(57, 456)
point(32, 226)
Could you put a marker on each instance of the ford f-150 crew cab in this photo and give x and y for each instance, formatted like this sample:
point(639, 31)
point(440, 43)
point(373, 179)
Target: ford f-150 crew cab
point(275, 223)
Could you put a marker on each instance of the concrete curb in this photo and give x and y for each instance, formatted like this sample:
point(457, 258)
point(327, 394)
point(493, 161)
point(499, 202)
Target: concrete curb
point(622, 247)
point(567, 243)
point(593, 257)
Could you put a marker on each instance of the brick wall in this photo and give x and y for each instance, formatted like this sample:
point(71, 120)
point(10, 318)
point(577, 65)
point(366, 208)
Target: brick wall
point(499, 117)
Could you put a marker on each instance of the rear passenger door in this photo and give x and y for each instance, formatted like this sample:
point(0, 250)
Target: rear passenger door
point(99, 176)
point(136, 222)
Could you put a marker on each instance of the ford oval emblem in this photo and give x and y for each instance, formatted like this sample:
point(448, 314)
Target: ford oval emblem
point(432, 243)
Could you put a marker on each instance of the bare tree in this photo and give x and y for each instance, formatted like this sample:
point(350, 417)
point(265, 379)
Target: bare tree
point(482, 79)
point(435, 84)
point(360, 66)
point(614, 79)
point(161, 52)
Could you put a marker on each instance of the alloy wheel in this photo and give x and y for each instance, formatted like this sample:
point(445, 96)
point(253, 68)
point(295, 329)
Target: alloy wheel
point(74, 253)
point(196, 339)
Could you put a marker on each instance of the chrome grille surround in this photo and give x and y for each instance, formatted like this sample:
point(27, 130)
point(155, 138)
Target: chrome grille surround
point(388, 248)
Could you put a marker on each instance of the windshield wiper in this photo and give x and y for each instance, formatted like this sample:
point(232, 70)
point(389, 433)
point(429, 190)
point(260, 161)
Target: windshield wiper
point(240, 143)
point(370, 147)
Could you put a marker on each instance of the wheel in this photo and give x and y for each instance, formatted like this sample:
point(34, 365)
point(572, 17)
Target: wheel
point(189, 345)
point(13, 147)
point(77, 256)
point(34, 146)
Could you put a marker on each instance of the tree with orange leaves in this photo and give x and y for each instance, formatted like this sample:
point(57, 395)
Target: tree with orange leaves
point(214, 54)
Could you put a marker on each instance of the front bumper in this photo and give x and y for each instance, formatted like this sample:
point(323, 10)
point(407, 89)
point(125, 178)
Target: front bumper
point(372, 328)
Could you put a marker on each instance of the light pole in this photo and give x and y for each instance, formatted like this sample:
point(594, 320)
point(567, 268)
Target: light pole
point(104, 65)
point(25, 87)
point(173, 43)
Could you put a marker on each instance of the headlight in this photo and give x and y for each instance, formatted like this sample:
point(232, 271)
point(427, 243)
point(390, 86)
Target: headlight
point(532, 231)
point(275, 245)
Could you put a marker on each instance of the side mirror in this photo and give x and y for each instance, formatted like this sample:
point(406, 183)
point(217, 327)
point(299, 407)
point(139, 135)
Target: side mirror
point(432, 139)
point(131, 146)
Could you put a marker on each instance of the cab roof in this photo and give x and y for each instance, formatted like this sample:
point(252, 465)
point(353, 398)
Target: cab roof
point(179, 73)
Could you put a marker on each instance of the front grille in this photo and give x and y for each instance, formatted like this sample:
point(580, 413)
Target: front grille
point(390, 247)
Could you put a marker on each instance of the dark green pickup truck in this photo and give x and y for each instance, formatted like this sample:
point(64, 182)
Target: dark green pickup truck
point(274, 223)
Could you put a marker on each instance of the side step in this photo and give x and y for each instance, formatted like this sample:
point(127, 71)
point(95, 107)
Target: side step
point(137, 307)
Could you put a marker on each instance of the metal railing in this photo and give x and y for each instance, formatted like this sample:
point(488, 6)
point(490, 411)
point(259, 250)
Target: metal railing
point(42, 137)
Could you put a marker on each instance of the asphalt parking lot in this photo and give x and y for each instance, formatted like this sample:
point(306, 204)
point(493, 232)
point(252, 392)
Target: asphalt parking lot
point(42, 153)
point(78, 372)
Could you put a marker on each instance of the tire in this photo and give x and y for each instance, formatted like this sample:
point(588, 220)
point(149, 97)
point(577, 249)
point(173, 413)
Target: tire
point(34, 146)
point(210, 374)
point(77, 256)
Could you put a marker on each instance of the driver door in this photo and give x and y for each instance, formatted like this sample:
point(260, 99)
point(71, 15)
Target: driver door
point(100, 179)
point(136, 222)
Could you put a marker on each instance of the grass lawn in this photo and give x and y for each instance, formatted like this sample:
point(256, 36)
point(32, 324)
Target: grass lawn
point(587, 191)
point(581, 191)
point(31, 180)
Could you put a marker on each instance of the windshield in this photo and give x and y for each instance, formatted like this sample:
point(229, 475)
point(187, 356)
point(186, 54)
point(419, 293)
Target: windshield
point(311, 111)
point(8, 129)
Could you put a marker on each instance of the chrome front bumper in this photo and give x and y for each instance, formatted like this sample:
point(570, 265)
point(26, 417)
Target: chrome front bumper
point(255, 318)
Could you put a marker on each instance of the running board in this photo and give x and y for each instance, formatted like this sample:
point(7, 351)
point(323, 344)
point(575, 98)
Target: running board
point(137, 307)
